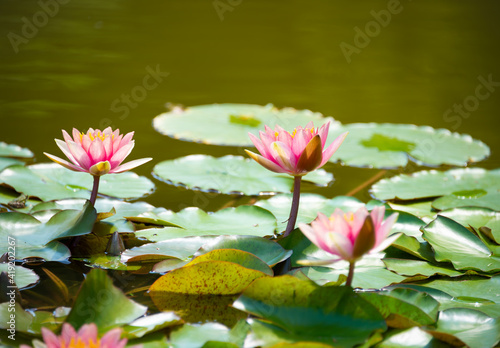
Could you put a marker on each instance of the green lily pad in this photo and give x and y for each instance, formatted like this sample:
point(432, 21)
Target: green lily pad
point(393, 145)
point(242, 220)
point(310, 205)
point(204, 278)
point(304, 308)
point(240, 257)
point(458, 326)
point(100, 302)
point(423, 210)
point(455, 188)
point(33, 238)
point(7, 162)
point(411, 268)
point(11, 150)
point(268, 251)
point(8, 197)
point(23, 277)
point(116, 222)
point(151, 323)
point(229, 124)
point(410, 338)
point(476, 217)
point(454, 243)
point(50, 181)
point(198, 335)
point(230, 175)
point(404, 308)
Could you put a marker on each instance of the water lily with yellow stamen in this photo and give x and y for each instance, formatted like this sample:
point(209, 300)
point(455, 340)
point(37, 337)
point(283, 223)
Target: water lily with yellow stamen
point(86, 337)
point(296, 154)
point(97, 153)
point(350, 235)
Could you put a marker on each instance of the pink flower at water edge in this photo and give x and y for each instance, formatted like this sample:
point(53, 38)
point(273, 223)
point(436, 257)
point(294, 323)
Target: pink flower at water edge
point(86, 337)
point(295, 153)
point(97, 152)
point(350, 235)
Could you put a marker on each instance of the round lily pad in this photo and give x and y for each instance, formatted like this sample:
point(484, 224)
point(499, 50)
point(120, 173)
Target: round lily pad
point(49, 181)
point(21, 276)
point(229, 124)
point(393, 145)
point(11, 150)
point(454, 188)
point(230, 175)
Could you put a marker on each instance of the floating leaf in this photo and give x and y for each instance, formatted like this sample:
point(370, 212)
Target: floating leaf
point(458, 187)
point(404, 308)
point(392, 145)
point(410, 268)
point(461, 325)
point(7, 162)
point(8, 196)
point(240, 257)
point(410, 338)
point(10, 150)
point(242, 220)
point(268, 251)
point(22, 276)
point(115, 222)
point(476, 217)
point(34, 238)
point(230, 175)
point(310, 205)
point(205, 278)
point(423, 209)
point(455, 243)
point(203, 123)
point(151, 323)
point(303, 308)
point(197, 335)
point(100, 302)
point(50, 181)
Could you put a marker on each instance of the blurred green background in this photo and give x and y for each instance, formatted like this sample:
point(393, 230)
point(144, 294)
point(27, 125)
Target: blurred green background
point(72, 63)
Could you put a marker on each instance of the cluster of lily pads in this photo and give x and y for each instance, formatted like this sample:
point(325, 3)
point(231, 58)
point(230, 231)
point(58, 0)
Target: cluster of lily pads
point(216, 279)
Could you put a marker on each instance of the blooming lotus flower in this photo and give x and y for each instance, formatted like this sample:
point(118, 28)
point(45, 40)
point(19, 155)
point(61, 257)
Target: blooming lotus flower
point(350, 235)
point(297, 153)
point(86, 337)
point(97, 152)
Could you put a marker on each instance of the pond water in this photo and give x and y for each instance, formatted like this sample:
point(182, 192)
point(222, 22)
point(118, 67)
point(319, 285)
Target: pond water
point(363, 61)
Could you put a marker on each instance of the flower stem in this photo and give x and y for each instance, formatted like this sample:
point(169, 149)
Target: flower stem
point(93, 196)
point(295, 205)
point(351, 273)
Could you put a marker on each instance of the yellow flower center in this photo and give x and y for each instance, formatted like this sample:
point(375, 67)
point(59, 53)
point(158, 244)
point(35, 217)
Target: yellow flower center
point(99, 135)
point(80, 344)
point(276, 134)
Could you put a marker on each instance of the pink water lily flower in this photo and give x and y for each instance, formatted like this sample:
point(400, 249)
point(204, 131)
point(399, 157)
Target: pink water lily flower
point(86, 337)
point(295, 153)
point(350, 235)
point(97, 152)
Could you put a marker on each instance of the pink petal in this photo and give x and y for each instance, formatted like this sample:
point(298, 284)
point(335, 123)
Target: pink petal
point(270, 132)
point(80, 155)
point(258, 144)
point(77, 136)
point(328, 153)
point(283, 155)
point(385, 243)
point(266, 143)
point(310, 125)
point(88, 332)
point(377, 215)
point(267, 163)
point(108, 131)
point(339, 244)
point(323, 133)
point(65, 163)
point(359, 219)
point(117, 142)
point(121, 154)
point(66, 136)
point(130, 165)
point(299, 144)
point(50, 338)
point(127, 139)
point(286, 138)
point(311, 157)
point(111, 338)
point(96, 151)
point(108, 147)
point(383, 231)
point(65, 149)
point(68, 332)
